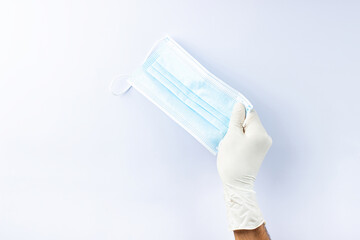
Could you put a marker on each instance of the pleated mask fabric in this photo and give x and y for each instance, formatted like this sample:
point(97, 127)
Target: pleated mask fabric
point(188, 93)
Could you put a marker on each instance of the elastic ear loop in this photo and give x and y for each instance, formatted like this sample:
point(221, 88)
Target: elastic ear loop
point(119, 84)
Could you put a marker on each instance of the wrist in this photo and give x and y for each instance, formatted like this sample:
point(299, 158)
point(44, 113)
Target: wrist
point(259, 233)
point(242, 208)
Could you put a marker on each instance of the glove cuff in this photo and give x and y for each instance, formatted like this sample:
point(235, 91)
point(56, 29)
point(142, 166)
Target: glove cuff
point(242, 209)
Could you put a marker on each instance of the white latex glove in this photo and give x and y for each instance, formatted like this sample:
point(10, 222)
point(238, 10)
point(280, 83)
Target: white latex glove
point(240, 155)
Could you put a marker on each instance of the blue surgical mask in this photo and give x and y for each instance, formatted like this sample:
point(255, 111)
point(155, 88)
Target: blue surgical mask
point(188, 93)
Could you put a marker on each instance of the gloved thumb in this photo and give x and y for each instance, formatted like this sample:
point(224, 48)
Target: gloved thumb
point(238, 116)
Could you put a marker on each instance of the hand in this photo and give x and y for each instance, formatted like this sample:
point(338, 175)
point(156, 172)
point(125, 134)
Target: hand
point(240, 155)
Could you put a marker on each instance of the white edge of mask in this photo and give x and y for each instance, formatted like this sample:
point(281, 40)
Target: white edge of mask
point(202, 68)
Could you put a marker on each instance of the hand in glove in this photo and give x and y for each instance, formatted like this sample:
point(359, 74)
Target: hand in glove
point(240, 155)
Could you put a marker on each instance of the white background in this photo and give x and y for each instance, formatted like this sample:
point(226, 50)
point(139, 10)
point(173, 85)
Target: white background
point(79, 163)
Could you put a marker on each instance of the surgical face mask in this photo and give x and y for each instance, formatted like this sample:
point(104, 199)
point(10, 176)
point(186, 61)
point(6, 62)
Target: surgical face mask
point(188, 93)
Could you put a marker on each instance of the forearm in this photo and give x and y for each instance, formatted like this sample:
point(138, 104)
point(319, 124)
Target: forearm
point(259, 233)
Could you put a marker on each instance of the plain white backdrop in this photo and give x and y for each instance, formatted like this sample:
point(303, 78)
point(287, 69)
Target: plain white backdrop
point(79, 163)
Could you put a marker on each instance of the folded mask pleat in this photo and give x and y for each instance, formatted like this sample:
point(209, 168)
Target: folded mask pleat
point(199, 82)
point(195, 103)
point(190, 93)
point(196, 125)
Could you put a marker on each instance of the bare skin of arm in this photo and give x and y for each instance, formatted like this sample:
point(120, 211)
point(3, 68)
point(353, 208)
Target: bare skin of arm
point(259, 233)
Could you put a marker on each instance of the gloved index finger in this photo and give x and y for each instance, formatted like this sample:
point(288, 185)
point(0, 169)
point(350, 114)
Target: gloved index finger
point(253, 123)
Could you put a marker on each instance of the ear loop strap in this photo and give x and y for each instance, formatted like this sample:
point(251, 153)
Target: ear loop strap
point(120, 84)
